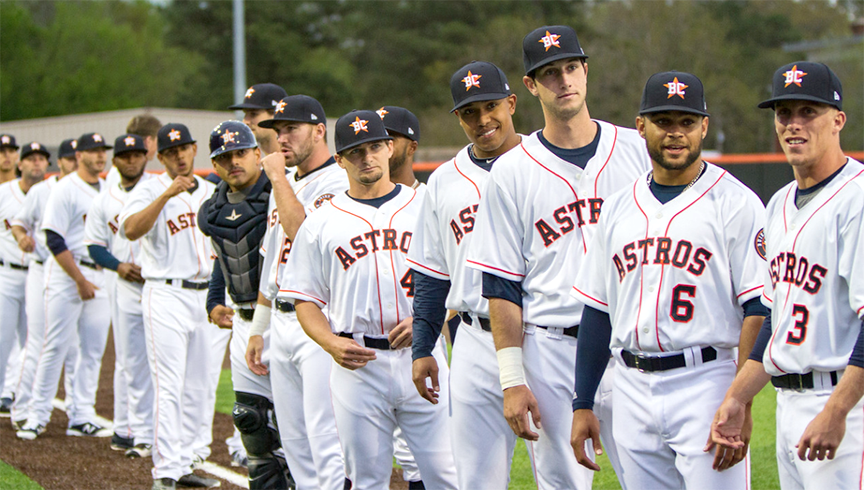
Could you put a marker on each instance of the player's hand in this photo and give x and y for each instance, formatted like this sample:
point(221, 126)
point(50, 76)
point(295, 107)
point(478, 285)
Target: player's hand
point(518, 402)
point(26, 243)
point(348, 353)
point(727, 429)
point(426, 367)
point(822, 436)
point(725, 457)
point(222, 316)
point(585, 426)
point(274, 165)
point(130, 272)
point(253, 355)
point(86, 289)
point(402, 334)
point(181, 183)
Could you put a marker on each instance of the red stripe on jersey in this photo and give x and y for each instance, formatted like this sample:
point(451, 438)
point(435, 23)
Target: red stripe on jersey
point(466, 178)
point(592, 298)
point(392, 264)
point(785, 203)
point(641, 277)
point(751, 289)
point(304, 294)
point(494, 268)
point(858, 311)
point(612, 150)
point(427, 268)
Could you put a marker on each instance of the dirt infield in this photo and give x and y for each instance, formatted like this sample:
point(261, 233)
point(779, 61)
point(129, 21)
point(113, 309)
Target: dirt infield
point(60, 462)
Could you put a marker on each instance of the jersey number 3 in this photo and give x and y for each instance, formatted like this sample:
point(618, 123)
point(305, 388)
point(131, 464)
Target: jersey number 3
point(802, 316)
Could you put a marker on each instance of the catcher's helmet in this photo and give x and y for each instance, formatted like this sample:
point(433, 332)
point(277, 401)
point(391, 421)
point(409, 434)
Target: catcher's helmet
point(230, 136)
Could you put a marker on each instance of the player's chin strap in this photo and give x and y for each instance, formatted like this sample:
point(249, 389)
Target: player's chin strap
point(510, 370)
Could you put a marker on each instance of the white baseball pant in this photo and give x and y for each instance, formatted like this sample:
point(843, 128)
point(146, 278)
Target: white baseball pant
point(121, 398)
point(13, 322)
point(138, 386)
point(219, 338)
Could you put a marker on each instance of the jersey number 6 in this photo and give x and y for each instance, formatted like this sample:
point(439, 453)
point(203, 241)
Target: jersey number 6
point(682, 309)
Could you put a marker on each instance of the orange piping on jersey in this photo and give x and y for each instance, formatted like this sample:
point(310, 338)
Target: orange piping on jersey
point(494, 268)
point(427, 268)
point(456, 166)
point(612, 150)
point(641, 276)
point(751, 289)
point(392, 264)
point(592, 298)
point(304, 294)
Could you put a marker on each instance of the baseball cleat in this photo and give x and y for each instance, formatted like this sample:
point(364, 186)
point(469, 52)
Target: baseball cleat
point(239, 459)
point(5, 407)
point(138, 451)
point(164, 484)
point(30, 433)
point(88, 430)
point(197, 462)
point(18, 424)
point(120, 443)
point(193, 480)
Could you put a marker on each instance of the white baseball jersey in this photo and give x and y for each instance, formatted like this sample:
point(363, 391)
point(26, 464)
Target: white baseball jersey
point(173, 248)
point(664, 272)
point(313, 190)
point(816, 275)
point(11, 200)
point(103, 223)
point(113, 177)
point(534, 221)
point(354, 254)
point(66, 211)
point(29, 215)
point(444, 230)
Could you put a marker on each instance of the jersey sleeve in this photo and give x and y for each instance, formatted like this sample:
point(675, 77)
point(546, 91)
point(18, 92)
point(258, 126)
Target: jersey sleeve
point(745, 232)
point(58, 212)
point(305, 277)
point(270, 250)
point(96, 230)
point(328, 189)
point(851, 260)
point(426, 253)
point(497, 246)
point(28, 214)
point(592, 280)
point(140, 197)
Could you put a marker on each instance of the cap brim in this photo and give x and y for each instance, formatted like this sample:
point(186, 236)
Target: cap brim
point(106, 147)
point(677, 108)
point(269, 123)
point(560, 56)
point(10, 146)
point(248, 106)
point(120, 151)
point(176, 144)
point(769, 104)
point(479, 98)
point(25, 154)
point(368, 140)
point(216, 153)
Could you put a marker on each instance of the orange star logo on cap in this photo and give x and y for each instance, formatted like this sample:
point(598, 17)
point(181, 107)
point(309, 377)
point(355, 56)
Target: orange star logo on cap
point(97, 138)
point(249, 92)
point(174, 135)
point(359, 125)
point(35, 146)
point(675, 88)
point(471, 80)
point(129, 141)
point(549, 40)
point(6, 140)
point(280, 106)
point(228, 137)
point(793, 76)
point(74, 144)
point(381, 113)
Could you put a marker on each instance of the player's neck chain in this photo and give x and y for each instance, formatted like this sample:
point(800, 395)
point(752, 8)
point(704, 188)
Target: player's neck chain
point(692, 182)
point(416, 184)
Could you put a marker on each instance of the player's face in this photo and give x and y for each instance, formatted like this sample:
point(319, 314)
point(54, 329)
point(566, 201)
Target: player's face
point(67, 165)
point(674, 138)
point(130, 164)
point(488, 124)
point(8, 158)
point(402, 148)
point(33, 166)
point(152, 146)
point(807, 130)
point(297, 140)
point(367, 163)
point(561, 87)
point(179, 160)
point(239, 168)
point(251, 117)
point(93, 161)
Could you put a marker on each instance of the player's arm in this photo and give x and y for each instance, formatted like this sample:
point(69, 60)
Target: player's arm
point(64, 258)
point(346, 352)
point(25, 241)
point(430, 295)
point(291, 211)
point(255, 346)
point(217, 312)
point(138, 224)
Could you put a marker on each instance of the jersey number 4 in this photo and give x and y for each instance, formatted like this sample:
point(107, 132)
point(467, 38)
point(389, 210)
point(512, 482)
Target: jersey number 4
point(799, 333)
point(407, 282)
point(682, 309)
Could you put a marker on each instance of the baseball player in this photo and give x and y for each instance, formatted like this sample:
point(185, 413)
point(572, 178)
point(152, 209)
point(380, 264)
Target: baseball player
point(299, 367)
point(75, 299)
point(259, 104)
point(27, 220)
point(133, 389)
point(176, 261)
point(673, 277)
point(349, 256)
point(8, 157)
point(146, 126)
point(482, 441)
point(811, 347)
point(13, 267)
point(235, 218)
point(542, 200)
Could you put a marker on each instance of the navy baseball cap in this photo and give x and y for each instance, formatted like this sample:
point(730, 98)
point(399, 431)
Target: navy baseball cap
point(173, 134)
point(478, 81)
point(805, 80)
point(129, 142)
point(8, 140)
point(34, 147)
point(358, 127)
point(67, 148)
point(230, 136)
point(547, 44)
point(673, 91)
point(298, 108)
point(91, 141)
point(262, 96)
point(401, 121)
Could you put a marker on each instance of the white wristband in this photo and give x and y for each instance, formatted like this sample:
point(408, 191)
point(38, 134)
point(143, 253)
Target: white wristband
point(510, 371)
point(260, 320)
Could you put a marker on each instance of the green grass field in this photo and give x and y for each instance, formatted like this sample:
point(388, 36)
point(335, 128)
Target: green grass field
point(763, 463)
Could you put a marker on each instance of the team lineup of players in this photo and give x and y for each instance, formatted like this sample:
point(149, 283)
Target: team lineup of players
point(330, 278)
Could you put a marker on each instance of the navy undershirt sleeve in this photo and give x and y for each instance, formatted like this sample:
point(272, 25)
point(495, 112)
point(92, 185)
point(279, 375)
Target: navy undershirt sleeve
point(762, 340)
point(429, 313)
point(498, 287)
point(55, 242)
point(754, 307)
point(216, 289)
point(857, 357)
point(592, 355)
point(101, 256)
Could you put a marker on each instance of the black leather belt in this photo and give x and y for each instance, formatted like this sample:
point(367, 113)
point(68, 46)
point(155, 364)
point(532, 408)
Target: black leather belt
point(569, 331)
point(15, 266)
point(246, 313)
point(655, 364)
point(799, 381)
point(371, 342)
point(197, 286)
point(38, 262)
point(484, 322)
point(284, 306)
point(90, 265)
